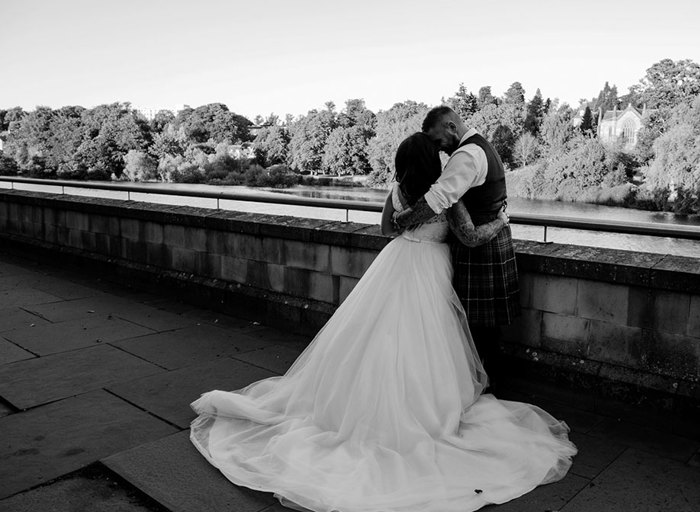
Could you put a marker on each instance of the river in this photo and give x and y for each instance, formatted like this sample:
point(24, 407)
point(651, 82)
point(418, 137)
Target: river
point(515, 205)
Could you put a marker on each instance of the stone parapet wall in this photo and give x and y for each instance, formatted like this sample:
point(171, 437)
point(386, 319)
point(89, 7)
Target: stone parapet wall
point(590, 316)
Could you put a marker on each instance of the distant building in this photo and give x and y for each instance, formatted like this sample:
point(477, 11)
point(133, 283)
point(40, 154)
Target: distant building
point(621, 125)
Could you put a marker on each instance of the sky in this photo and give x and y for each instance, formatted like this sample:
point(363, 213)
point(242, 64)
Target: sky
point(291, 56)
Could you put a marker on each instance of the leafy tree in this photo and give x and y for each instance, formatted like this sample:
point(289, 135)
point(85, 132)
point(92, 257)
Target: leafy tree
point(346, 151)
point(139, 166)
point(535, 113)
point(161, 120)
point(8, 167)
point(308, 139)
point(515, 94)
point(526, 149)
point(485, 97)
point(393, 126)
point(271, 145)
point(213, 121)
point(557, 130)
point(668, 83)
point(676, 163)
point(607, 99)
point(464, 103)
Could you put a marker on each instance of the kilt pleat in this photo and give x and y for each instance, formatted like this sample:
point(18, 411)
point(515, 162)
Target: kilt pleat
point(486, 280)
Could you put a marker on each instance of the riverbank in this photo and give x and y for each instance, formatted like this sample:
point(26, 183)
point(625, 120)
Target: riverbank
point(523, 183)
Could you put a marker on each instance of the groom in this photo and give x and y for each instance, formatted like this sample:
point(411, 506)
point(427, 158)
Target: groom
point(486, 277)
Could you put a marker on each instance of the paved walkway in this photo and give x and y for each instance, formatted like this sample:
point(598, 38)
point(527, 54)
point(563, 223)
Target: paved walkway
point(95, 382)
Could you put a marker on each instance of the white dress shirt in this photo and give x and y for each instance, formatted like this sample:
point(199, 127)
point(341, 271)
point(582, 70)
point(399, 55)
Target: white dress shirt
point(466, 168)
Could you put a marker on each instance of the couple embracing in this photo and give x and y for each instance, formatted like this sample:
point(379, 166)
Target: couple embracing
point(385, 410)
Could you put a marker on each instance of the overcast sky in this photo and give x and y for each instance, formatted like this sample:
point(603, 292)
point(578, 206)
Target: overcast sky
point(289, 56)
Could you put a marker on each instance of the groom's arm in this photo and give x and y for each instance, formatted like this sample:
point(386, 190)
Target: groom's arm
point(465, 169)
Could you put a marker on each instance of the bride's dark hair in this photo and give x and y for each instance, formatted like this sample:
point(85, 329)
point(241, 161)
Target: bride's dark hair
point(417, 165)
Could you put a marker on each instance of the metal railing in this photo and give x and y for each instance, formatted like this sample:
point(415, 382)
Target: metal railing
point(529, 219)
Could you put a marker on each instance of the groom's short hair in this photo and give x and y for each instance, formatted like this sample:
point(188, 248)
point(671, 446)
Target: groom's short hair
point(436, 115)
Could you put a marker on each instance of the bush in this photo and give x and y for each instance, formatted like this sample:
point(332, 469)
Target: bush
point(8, 167)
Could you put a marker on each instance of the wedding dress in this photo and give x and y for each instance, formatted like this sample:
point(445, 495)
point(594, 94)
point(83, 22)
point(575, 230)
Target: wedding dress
point(384, 409)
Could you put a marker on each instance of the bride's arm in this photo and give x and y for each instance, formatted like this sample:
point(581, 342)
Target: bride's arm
point(462, 226)
point(386, 224)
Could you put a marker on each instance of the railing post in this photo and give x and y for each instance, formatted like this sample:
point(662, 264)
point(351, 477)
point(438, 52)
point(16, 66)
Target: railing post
point(545, 234)
point(347, 215)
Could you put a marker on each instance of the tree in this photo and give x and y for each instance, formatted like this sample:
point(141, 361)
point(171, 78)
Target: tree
point(526, 149)
point(346, 151)
point(271, 145)
point(668, 83)
point(535, 112)
point(308, 140)
point(464, 103)
point(393, 126)
point(161, 120)
point(676, 163)
point(587, 122)
point(515, 94)
point(485, 97)
point(139, 166)
point(503, 142)
point(556, 130)
point(213, 121)
point(607, 99)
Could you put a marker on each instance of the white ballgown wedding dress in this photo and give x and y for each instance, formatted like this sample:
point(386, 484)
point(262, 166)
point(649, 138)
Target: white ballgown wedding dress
point(384, 409)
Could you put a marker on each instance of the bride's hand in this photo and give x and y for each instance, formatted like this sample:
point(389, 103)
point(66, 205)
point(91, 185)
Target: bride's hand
point(504, 217)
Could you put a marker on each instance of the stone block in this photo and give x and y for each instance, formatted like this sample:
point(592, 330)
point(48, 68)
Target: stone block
point(234, 269)
point(50, 441)
point(675, 355)
point(216, 242)
point(275, 275)
point(256, 275)
point(49, 233)
point(195, 239)
point(554, 294)
point(74, 239)
point(526, 282)
point(152, 232)
point(130, 229)
point(183, 260)
point(77, 220)
point(41, 380)
point(88, 241)
point(671, 311)
point(603, 301)
point(297, 282)
point(565, 334)
point(640, 307)
point(310, 256)
point(321, 287)
point(345, 286)
point(173, 473)
point(174, 236)
point(98, 223)
point(245, 246)
point(526, 329)
point(273, 250)
point(350, 262)
point(617, 344)
point(155, 254)
point(212, 265)
point(694, 317)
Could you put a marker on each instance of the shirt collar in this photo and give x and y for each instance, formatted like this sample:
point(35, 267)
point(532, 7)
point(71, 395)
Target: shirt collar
point(470, 132)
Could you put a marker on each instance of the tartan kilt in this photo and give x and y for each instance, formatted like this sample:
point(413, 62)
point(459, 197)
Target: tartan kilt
point(486, 280)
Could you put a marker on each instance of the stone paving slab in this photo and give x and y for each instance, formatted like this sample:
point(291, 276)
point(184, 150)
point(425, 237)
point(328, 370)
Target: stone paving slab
point(594, 454)
point(549, 497)
point(9, 352)
point(641, 482)
point(108, 306)
point(276, 358)
point(85, 490)
point(174, 473)
point(189, 346)
point(168, 395)
point(648, 439)
point(17, 318)
point(54, 285)
point(72, 334)
point(42, 444)
point(25, 297)
point(41, 380)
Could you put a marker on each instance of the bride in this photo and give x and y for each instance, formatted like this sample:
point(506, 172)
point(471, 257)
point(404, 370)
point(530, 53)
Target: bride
point(384, 410)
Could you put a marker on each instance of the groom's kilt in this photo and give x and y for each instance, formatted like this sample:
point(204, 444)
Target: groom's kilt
point(486, 280)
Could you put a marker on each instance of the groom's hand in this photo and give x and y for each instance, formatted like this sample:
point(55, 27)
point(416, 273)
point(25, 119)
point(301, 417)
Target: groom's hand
point(416, 214)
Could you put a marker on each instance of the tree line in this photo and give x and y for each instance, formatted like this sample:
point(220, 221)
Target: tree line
point(550, 155)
